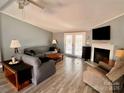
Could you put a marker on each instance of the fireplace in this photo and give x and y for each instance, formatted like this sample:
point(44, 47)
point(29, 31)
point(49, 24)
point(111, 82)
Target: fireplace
point(105, 46)
point(101, 55)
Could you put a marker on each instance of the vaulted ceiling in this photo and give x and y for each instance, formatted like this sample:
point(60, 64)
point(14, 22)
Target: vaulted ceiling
point(65, 15)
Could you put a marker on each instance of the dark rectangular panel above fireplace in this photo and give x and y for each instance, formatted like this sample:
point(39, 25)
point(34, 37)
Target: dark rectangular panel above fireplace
point(101, 55)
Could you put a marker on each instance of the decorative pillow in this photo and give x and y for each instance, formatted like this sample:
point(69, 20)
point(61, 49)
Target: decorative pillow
point(52, 49)
point(104, 66)
point(30, 52)
point(116, 72)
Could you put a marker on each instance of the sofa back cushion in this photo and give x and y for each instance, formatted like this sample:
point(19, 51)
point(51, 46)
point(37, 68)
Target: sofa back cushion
point(33, 51)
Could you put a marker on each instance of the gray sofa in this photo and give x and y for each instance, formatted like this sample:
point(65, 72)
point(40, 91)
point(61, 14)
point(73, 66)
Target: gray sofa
point(38, 51)
point(41, 70)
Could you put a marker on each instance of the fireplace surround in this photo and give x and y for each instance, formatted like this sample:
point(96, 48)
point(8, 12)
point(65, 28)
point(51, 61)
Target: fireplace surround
point(105, 46)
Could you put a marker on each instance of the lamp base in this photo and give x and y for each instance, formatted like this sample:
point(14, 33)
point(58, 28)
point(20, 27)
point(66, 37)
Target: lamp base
point(16, 50)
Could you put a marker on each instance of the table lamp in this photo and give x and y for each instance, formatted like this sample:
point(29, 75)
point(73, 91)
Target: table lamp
point(119, 54)
point(15, 45)
point(54, 42)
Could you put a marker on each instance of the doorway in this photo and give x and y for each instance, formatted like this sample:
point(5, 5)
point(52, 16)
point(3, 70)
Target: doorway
point(73, 43)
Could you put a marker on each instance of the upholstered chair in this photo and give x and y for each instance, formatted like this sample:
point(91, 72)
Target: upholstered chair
point(103, 81)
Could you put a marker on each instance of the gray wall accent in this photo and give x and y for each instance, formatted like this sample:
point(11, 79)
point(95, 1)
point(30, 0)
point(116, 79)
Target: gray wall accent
point(117, 31)
point(60, 39)
point(27, 34)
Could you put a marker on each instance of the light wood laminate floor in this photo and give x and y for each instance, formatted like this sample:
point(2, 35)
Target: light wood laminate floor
point(67, 79)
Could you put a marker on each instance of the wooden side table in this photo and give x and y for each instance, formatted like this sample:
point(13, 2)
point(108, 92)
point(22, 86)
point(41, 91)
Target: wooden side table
point(19, 75)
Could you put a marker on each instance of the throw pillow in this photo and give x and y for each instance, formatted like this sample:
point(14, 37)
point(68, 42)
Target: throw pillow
point(52, 49)
point(104, 66)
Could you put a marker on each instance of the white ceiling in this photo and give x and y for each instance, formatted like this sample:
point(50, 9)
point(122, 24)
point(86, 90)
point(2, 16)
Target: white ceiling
point(68, 15)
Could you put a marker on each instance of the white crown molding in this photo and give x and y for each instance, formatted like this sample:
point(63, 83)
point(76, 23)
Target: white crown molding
point(56, 30)
point(111, 19)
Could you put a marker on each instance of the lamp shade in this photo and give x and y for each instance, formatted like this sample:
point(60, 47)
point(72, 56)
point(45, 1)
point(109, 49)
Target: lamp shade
point(119, 53)
point(15, 44)
point(54, 42)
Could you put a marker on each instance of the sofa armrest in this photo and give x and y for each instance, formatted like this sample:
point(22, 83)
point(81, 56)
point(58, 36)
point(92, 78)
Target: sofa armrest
point(33, 61)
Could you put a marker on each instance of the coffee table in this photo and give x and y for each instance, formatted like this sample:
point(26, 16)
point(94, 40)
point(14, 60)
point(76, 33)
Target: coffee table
point(19, 75)
point(55, 56)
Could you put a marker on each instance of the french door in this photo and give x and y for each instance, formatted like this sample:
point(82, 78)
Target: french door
point(73, 43)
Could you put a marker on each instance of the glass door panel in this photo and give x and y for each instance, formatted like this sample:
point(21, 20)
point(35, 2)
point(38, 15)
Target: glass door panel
point(68, 44)
point(73, 43)
point(78, 45)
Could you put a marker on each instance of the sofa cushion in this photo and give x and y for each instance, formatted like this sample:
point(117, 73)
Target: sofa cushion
point(38, 51)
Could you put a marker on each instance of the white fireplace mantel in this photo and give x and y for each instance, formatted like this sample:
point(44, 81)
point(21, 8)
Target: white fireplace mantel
point(103, 46)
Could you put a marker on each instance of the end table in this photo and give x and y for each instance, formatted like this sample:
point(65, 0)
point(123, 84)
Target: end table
point(18, 75)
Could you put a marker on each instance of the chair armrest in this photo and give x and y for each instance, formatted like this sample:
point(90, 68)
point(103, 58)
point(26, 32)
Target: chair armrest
point(98, 72)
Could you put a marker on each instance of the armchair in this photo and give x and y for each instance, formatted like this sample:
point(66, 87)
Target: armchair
point(105, 82)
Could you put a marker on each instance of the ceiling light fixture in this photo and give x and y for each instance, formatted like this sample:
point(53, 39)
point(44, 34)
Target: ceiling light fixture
point(22, 3)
